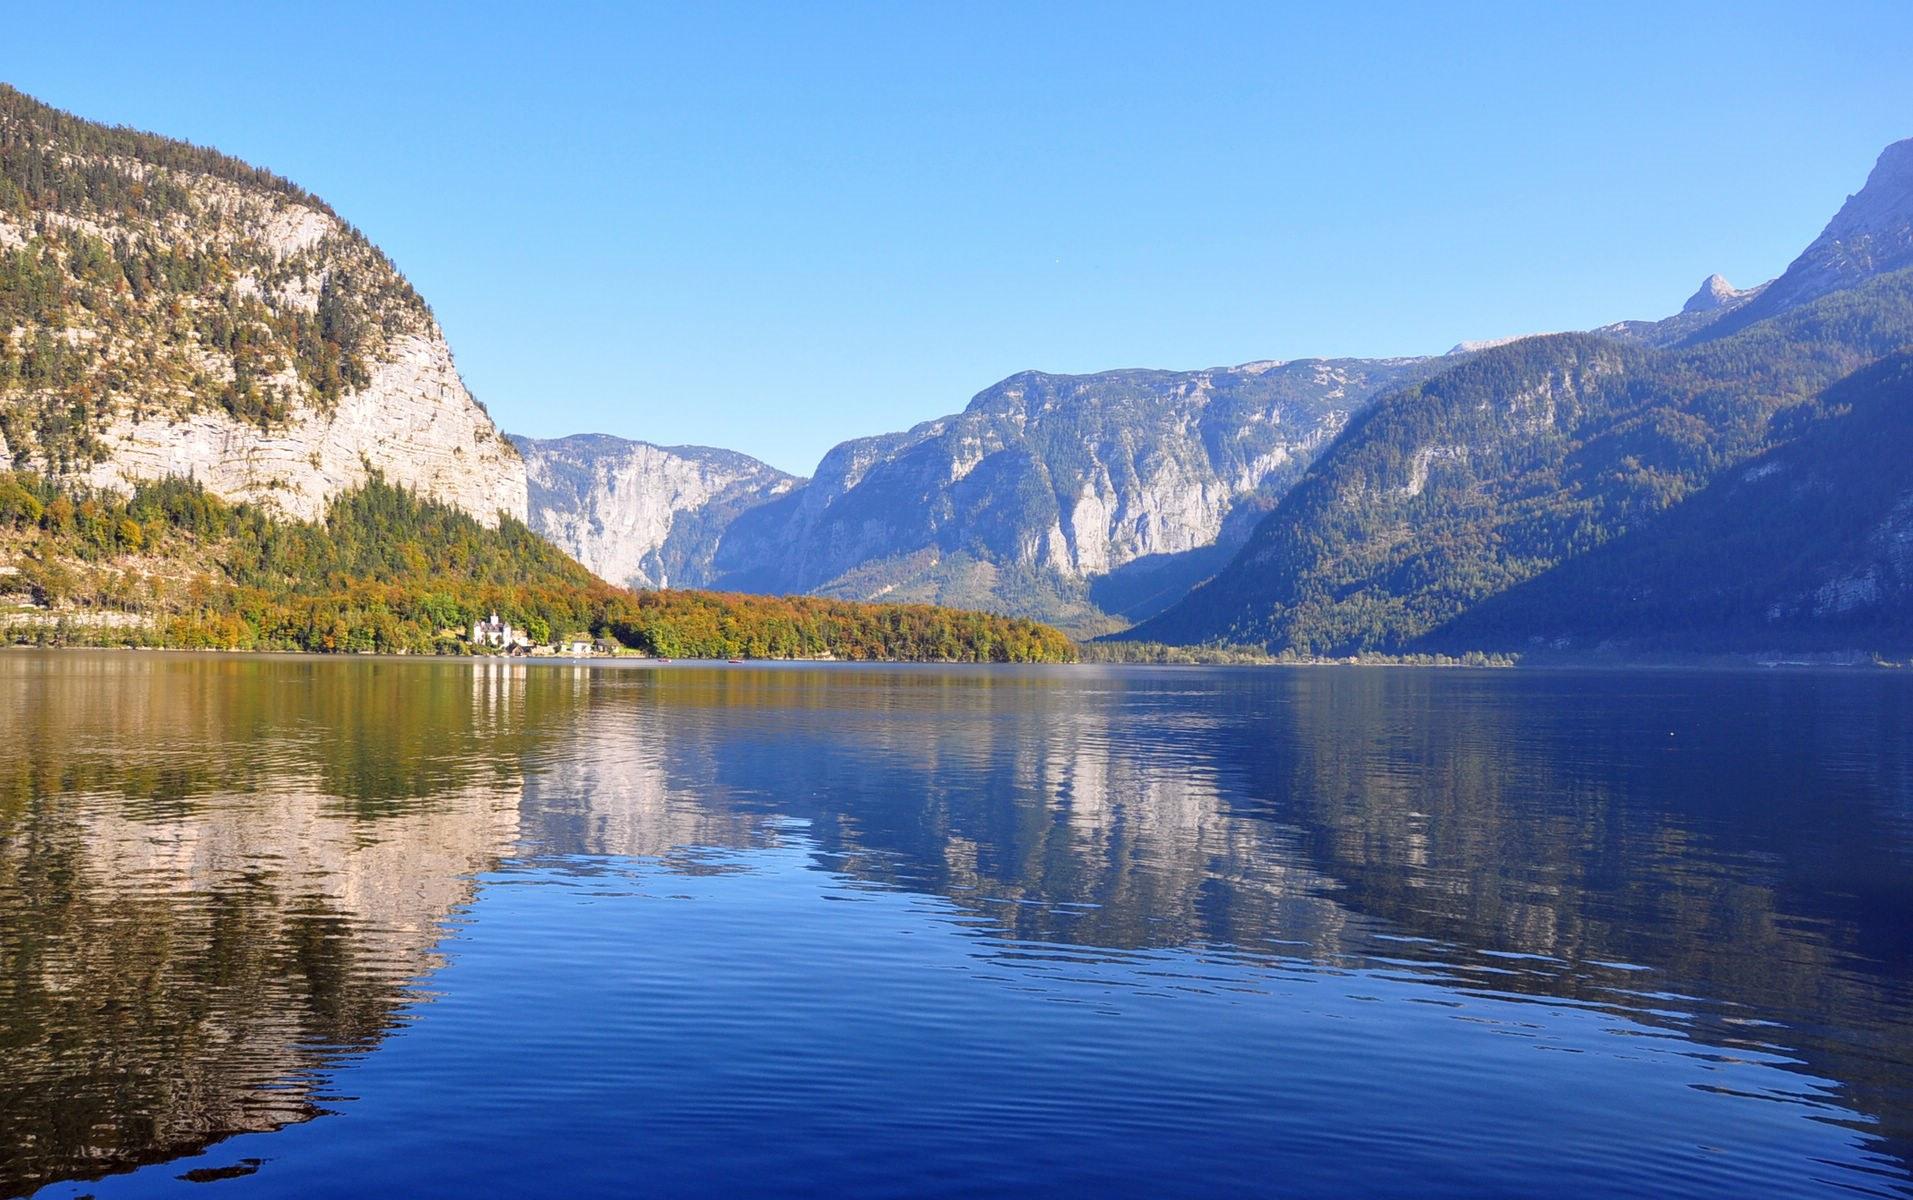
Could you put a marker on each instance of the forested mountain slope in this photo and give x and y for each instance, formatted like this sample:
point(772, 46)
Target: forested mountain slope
point(1449, 493)
point(1809, 546)
point(1455, 490)
point(390, 571)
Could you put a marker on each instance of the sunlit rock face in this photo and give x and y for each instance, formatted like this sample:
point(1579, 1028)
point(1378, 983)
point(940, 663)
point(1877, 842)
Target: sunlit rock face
point(1047, 484)
point(1043, 485)
point(413, 422)
point(174, 311)
point(1870, 235)
point(1075, 474)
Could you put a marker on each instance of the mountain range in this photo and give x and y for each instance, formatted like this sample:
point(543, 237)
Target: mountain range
point(1320, 506)
point(166, 310)
point(1061, 497)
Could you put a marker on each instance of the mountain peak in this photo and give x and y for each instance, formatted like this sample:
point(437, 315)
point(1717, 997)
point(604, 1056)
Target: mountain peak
point(1715, 292)
point(1471, 347)
point(1872, 234)
point(1885, 203)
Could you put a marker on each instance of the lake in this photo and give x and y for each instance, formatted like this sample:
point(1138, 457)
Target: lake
point(315, 928)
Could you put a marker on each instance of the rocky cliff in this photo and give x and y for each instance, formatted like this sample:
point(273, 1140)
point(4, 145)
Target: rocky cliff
point(168, 310)
point(638, 514)
point(1063, 496)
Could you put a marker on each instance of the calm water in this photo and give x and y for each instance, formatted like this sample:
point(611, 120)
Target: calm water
point(311, 928)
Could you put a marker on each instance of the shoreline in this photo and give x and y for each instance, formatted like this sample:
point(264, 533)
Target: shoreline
point(1843, 663)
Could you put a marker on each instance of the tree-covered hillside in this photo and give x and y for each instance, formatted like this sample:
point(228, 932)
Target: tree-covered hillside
point(1809, 546)
point(1455, 490)
point(392, 572)
point(166, 309)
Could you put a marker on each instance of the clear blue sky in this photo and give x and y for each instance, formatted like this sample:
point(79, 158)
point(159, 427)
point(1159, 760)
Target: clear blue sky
point(772, 227)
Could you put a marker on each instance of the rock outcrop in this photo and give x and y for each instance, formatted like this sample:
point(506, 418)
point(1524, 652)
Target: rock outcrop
point(1715, 294)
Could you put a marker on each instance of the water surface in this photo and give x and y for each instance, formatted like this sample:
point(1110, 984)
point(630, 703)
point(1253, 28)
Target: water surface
point(315, 928)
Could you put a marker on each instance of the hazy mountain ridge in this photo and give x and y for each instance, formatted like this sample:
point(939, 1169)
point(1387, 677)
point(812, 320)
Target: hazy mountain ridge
point(169, 310)
point(639, 514)
point(1707, 308)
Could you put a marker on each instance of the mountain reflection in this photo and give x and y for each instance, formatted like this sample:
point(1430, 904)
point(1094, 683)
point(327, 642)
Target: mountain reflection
point(220, 876)
point(1723, 856)
point(216, 878)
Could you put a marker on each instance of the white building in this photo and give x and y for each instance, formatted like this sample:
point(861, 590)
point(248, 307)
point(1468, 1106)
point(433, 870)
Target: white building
point(493, 632)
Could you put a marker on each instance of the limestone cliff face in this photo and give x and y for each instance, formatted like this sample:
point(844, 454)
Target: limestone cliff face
point(414, 422)
point(167, 310)
point(639, 514)
point(1043, 489)
point(1048, 483)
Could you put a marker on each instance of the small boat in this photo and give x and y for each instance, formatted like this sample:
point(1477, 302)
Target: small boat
point(664, 660)
point(737, 660)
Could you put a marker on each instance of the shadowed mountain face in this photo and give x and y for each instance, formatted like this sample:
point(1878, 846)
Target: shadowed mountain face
point(1449, 493)
point(1808, 546)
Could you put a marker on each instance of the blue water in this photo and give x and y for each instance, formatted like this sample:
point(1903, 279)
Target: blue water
point(443, 929)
